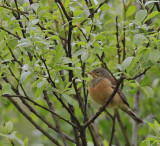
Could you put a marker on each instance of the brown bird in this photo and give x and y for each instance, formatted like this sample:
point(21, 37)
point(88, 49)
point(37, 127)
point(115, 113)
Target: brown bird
point(101, 87)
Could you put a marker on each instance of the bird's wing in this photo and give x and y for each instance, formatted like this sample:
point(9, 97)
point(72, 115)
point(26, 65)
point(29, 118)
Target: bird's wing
point(113, 83)
point(123, 97)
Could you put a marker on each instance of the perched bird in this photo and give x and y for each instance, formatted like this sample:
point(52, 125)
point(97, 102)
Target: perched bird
point(101, 87)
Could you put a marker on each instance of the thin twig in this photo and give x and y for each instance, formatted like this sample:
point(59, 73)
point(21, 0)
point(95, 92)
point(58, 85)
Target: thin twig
point(35, 103)
point(34, 123)
point(49, 103)
point(91, 15)
point(113, 127)
point(9, 8)
point(123, 129)
point(10, 33)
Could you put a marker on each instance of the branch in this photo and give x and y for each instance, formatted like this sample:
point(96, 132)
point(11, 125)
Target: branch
point(136, 76)
point(49, 103)
point(91, 15)
point(15, 59)
point(75, 130)
point(123, 129)
point(91, 120)
point(97, 135)
point(10, 33)
point(113, 127)
point(135, 110)
point(9, 8)
point(35, 103)
point(157, 5)
point(58, 98)
point(118, 46)
point(34, 123)
point(64, 10)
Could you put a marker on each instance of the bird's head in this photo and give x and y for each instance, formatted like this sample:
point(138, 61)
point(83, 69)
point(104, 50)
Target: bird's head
point(98, 72)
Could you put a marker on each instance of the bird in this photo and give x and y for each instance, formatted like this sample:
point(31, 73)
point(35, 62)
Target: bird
point(100, 88)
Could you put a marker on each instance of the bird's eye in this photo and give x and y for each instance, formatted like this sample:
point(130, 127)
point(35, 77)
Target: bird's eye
point(97, 72)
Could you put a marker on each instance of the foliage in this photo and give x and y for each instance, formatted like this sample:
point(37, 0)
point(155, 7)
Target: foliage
point(47, 48)
point(151, 140)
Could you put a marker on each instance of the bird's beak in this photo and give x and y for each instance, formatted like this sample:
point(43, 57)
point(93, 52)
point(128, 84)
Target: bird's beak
point(91, 73)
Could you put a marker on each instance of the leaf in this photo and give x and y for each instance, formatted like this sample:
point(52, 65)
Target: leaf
point(153, 14)
point(35, 21)
point(69, 99)
point(9, 126)
point(40, 84)
point(24, 43)
point(139, 38)
point(58, 54)
point(105, 7)
point(6, 89)
point(148, 91)
point(77, 12)
point(79, 52)
point(35, 6)
point(67, 60)
point(154, 55)
point(67, 2)
point(24, 76)
point(151, 138)
point(39, 91)
point(84, 56)
point(12, 43)
point(126, 63)
point(81, 43)
point(140, 15)
point(131, 10)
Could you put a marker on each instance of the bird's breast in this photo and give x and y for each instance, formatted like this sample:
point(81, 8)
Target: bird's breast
point(101, 92)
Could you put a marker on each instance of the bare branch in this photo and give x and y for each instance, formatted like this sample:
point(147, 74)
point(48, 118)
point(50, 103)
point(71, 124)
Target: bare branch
point(49, 103)
point(123, 129)
point(34, 123)
point(10, 33)
point(9, 8)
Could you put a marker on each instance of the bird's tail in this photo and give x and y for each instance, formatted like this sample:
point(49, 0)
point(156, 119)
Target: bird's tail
point(132, 115)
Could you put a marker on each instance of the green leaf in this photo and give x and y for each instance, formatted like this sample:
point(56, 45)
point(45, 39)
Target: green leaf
point(77, 12)
point(79, 52)
point(40, 84)
point(39, 91)
point(69, 99)
point(67, 60)
point(154, 55)
point(131, 10)
point(148, 91)
point(84, 56)
point(126, 63)
point(151, 138)
point(35, 6)
point(12, 43)
point(145, 82)
point(140, 15)
point(139, 38)
point(24, 76)
point(35, 21)
point(6, 89)
point(153, 14)
point(67, 2)
point(81, 43)
point(58, 54)
point(9, 126)
point(105, 7)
